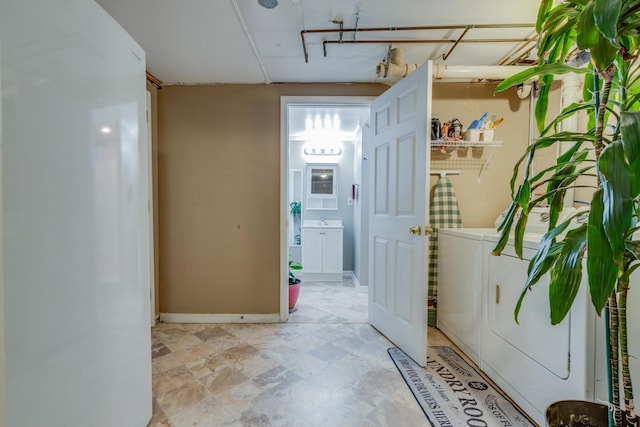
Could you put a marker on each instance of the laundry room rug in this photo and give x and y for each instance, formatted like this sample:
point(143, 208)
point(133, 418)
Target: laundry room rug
point(452, 393)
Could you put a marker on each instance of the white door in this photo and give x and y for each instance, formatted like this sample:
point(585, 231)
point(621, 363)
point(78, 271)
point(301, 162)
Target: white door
point(399, 161)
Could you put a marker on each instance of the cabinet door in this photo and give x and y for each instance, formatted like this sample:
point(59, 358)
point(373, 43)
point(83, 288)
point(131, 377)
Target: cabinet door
point(332, 251)
point(312, 242)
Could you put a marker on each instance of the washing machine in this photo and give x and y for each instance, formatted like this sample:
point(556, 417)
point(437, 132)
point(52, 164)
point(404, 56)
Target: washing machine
point(534, 362)
point(461, 260)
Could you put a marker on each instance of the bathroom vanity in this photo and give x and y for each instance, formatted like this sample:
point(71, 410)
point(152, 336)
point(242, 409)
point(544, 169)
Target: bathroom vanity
point(322, 250)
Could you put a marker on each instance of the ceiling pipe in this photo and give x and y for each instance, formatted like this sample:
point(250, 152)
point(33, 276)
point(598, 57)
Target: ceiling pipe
point(471, 72)
point(394, 29)
point(425, 41)
point(395, 65)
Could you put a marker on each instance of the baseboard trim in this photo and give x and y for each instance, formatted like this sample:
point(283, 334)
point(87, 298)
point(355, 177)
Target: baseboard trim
point(359, 287)
point(219, 318)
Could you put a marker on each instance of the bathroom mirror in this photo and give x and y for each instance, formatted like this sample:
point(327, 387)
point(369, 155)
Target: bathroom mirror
point(322, 181)
point(322, 187)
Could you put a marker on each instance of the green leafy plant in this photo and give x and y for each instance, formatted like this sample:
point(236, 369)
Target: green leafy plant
point(295, 208)
point(293, 266)
point(606, 154)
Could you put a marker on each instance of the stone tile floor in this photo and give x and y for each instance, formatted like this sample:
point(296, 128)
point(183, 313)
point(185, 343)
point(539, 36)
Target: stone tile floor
point(326, 367)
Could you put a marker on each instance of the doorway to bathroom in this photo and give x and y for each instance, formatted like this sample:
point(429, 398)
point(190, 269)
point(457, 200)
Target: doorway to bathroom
point(323, 172)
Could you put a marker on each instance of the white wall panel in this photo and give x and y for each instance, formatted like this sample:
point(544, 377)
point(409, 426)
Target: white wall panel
point(75, 217)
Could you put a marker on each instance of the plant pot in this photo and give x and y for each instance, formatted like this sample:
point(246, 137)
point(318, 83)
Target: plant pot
point(577, 413)
point(585, 414)
point(294, 292)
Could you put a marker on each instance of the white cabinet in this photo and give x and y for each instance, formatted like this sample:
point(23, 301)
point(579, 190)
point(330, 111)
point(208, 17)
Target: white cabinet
point(322, 250)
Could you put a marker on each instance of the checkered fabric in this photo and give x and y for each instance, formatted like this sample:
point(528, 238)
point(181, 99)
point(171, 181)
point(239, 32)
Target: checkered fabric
point(443, 213)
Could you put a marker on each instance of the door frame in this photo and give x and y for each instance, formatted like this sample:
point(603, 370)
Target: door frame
point(285, 102)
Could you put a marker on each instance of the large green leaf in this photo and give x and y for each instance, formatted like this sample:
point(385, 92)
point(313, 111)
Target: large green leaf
point(587, 32)
point(535, 275)
point(525, 75)
point(602, 270)
point(543, 11)
point(606, 13)
point(615, 177)
point(566, 274)
point(543, 101)
point(505, 228)
point(567, 112)
point(603, 53)
point(518, 233)
point(523, 196)
point(562, 178)
point(539, 262)
point(630, 128)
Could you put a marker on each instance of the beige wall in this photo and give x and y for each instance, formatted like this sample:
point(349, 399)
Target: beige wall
point(481, 202)
point(219, 185)
point(219, 193)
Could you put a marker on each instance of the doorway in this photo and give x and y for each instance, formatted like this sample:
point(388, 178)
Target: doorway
point(328, 133)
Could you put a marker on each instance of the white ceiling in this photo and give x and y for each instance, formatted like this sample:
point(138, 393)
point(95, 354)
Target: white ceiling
point(239, 41)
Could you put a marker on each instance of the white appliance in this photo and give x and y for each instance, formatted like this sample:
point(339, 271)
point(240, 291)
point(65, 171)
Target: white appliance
point(460, 259)
point(533, 362)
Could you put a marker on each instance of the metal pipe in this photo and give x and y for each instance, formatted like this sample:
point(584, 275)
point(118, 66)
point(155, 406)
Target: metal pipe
point(494, 72)
point(154, 81)
point(421, 41)
point(506, 59)
point(304, 47)
point(417, 28)
point(446, 55)
point(342, 30)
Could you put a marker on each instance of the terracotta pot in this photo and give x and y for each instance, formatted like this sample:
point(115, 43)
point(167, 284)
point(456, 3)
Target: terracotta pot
point(294, 291)
point(577, 413)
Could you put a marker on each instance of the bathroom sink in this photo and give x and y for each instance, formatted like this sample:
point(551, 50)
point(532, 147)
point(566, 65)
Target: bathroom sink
point(327, 223)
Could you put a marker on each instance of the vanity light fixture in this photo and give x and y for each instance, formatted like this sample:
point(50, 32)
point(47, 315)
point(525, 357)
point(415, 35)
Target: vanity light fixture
point(322, 151)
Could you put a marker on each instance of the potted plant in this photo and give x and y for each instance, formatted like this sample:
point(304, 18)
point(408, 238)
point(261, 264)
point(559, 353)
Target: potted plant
point(294, 284)
point(295, 208)
point(607, 154)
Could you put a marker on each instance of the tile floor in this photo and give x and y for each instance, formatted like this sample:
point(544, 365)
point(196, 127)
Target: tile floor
point(326, 367)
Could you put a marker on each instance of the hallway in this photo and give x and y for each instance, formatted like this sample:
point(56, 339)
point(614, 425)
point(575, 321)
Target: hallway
point(326, 367)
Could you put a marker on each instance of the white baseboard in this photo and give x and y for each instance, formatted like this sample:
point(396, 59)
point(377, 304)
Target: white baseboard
point(322, 277)
point(359, 287)
point(219, 318)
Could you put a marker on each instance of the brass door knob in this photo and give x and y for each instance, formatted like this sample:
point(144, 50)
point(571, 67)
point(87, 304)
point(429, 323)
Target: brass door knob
point(415, 230)
point(428, 231)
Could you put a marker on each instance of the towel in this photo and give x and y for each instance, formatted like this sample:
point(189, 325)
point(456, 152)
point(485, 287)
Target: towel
point(443, 213)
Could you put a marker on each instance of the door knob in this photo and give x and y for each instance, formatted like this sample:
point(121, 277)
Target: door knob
point(415, 230)
point(428, 231)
